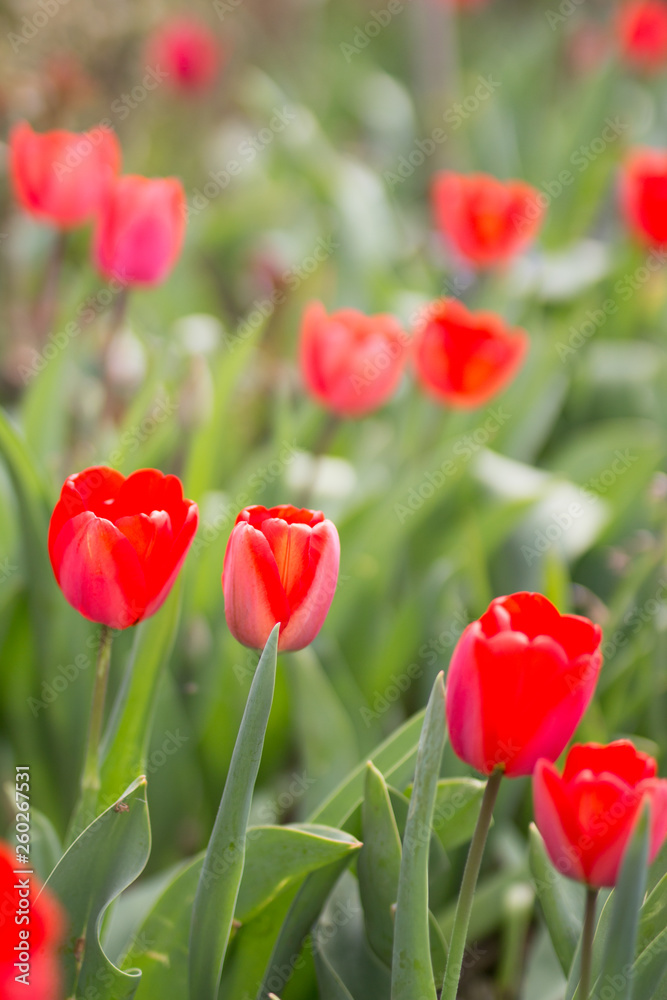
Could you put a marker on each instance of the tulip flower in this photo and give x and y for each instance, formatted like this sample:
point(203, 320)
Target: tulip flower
point(464, 358)
point(643, 194)
point(351, 363)
point(520, 679)
point(587, 816)
point(188, 51)
point(486, 220)
point(62, 177)
point(116, 545)
point(281, 565)
point(641, 31)
point(39, 960)
point(140, 229)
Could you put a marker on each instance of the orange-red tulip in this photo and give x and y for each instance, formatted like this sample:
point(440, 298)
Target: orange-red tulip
point(587, 816)
point(62, 177)
point(643, 194)
point(350, 362)
point(281, 565)
point(29, 963)
point(140, 229)
point(464, 358)
point(486, 220)
point(117, 544)
point(641, 30)
point(188, 51)
point(519, 681)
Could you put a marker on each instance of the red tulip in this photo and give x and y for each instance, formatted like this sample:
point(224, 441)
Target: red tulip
point(117, 544)
point(641, 30)
point(350, 362)
point(643, 194)
point(520, 679)
point(186, 49)
point(486, 220)
point(45, 929)
point(140, 229)
point(281, 565)
point(587, 816)
point(61, 177)
point(464, 358)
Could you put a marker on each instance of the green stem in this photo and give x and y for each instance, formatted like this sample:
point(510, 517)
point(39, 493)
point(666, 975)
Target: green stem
point(587, 943)
point(464, 905)
point(47, 305)
point(90, 781)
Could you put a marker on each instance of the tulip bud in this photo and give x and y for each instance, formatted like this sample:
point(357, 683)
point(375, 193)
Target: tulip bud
point(140, 229)
point(520, 679)
point(643, 194)
point(62, 177)
point(117, 545)
point(29, 955)
point(486, 220)
point(281, 565)
point(464, 358)
point(587, 816)
point(350, 362)
point(189, 53)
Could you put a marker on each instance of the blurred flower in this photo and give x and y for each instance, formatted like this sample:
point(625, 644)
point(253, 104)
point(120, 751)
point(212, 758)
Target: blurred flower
point(186, 49)
point(587, 816)
point(45, 929)
point(62, 177)
point(587, 47)
point(641, 30)
point(488, 221)
point(350, 362)
point(140, 229)
point(519, 681)
point(464, 358)
point(643, 194)
point(117, 544)
point(281, 565)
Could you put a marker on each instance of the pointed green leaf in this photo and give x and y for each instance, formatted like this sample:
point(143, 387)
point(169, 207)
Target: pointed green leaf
point(107, 857)
point(220, 879)
point(457, 805)
point(561, 899)
point(379, 864)
point(412, 971)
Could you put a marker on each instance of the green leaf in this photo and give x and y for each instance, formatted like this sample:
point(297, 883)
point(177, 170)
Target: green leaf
point(277, 855)
point(126, 742)
point(107, 857)
point(303, 913)
point(562, 901)
point(627, 899)
point(379, 864)
point(218, 888)
point(412, 971)
point(457, 805)
point(394, 758)
point(46, 849)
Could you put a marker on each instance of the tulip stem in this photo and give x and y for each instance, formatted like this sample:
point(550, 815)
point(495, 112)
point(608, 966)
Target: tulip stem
point(90, 783)
point(457, 944)
point(587, 943)
point(47, 304)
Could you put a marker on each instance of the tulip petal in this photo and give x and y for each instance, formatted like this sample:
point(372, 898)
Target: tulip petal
point(557, 821)
point(168, 555)
point(99, 571)
point(464, 703)
point(312, 604)
point(254, 597)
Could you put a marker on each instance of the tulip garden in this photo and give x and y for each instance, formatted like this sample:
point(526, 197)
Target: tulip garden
point(333, 500)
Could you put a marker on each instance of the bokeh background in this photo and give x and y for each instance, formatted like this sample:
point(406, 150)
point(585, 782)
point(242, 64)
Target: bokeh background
point(558, 485)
